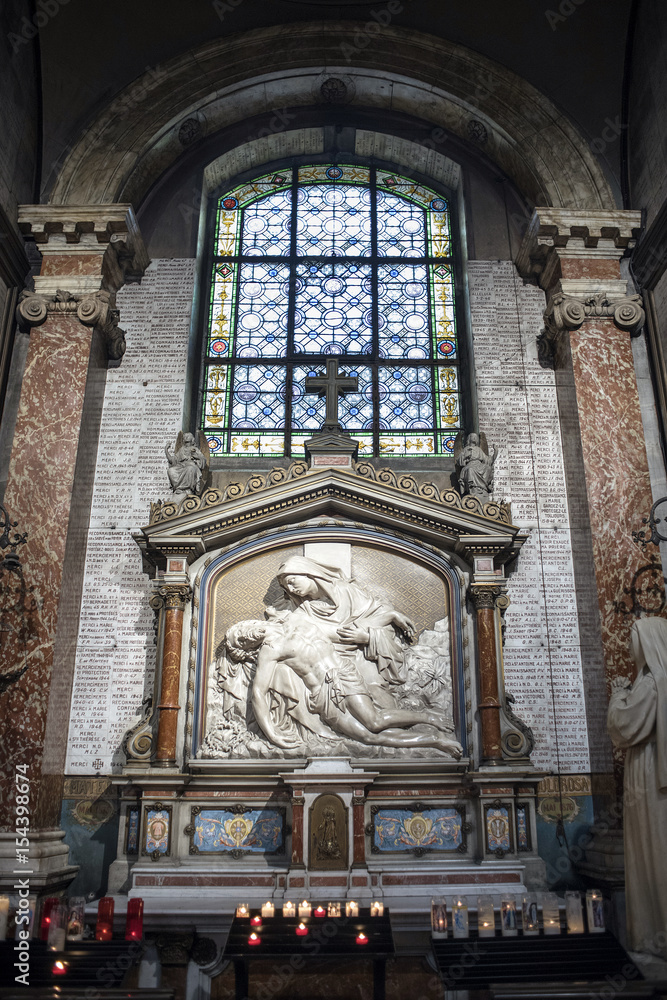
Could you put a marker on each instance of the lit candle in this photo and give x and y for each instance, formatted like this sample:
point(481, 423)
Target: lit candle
point(301, 930)
point(304, 908)
point(595, 911)
point(377, 909)
point(59, 968)
point(289, 909)
point(530, 920)
point(351, 909)
point(319, 911)
point(333, 910)
point(439, 918)
point(361, 938)
point(27, 927)
point(57, 928)
point(242, 910)
point(268, 909)
point(256, 921)
point(134, 921)
point(573, 912)
point(508, 917)
point(104, 927)
point(550, 913)
point(4, 916)
point(460, 926)
point(76, 918)
point(47, 906)
point(486, 918)
point(254, 939)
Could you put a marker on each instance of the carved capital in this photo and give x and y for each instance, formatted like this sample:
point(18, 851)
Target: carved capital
point(484, 596)
point(175, 596)
point(568, 312)
point(97, 309)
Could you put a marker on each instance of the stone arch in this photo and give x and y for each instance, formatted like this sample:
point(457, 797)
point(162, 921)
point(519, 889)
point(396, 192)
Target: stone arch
point(145, 130)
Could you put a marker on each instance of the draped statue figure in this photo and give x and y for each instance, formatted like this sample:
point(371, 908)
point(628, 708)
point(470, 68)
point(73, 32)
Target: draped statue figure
point(637, 722)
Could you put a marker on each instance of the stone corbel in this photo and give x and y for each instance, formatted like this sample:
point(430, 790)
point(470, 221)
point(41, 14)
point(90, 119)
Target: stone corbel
point(97, 309)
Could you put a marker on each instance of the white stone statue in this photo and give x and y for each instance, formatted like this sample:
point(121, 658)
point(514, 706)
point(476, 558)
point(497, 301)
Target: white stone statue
point(336, 664)
point(637, 721)
point(474, 465)
point(188, 464)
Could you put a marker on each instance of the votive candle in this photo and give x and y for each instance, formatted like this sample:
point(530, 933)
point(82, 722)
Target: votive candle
point(573, 912)
point(45, 921)
point(333, 910)
point(268, 909)
point(304, 908)
point(254, 939)
point(256, 921)
point(104, 927)
point(134, 921)
point(530, 919)
point(301, 930)
point(319, 911)
point(377, 908)
point(242, 910)
point(76, 918)
point(4, 916)
point(550, 913)
point(57, 928)
point(595, 911)
point(361, 938)
point(351, 908)
point(508, 917)
point(289, 909)
point(439, 918)
point(486, 918)
point(460, 925)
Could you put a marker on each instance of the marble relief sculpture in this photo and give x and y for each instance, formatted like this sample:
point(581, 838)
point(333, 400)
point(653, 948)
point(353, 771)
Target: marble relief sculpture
point(637, 722)
point(474, 465)
point(188, 465)
point(335, 665)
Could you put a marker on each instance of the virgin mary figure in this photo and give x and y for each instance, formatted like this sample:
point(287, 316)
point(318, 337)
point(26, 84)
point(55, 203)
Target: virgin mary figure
point(637, 721)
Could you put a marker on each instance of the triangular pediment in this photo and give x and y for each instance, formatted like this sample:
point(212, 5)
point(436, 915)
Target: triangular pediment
point(377, 498)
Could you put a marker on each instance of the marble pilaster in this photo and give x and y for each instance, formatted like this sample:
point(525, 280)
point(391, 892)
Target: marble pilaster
point(88, 253)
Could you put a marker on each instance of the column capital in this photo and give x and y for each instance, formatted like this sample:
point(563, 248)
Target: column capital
point(555, 235)
point(567, 311)
point(176, 596)
point(96, 309)
point(109, 231)
point(485, 596)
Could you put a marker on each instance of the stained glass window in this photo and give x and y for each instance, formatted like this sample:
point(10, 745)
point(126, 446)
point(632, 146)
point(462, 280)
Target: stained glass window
point(331, 260)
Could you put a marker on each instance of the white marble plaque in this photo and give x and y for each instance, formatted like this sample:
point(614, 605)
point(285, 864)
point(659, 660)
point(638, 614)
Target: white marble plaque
point(143, 406)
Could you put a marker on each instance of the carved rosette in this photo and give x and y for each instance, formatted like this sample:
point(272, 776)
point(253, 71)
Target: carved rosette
point(97, 309)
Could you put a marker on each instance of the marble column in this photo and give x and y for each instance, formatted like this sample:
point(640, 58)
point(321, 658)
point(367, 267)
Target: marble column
point(484, 599)
point(87, 254)
point(589, 320)
point(175, 598)
point(358, 830)
point(297, 830)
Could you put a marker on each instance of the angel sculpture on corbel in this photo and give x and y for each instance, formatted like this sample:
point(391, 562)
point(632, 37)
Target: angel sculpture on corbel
point(474, 465)
point(188, 464)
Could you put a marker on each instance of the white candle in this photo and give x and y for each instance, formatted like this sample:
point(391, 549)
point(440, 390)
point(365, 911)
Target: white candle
point(486, 920)
point(508, 917)
point(529, 915)
point(242, 910)
point(333, 910)
point(460, 926)
point(351, 909)
point(574, 912)
point(289, 909)
point(304, 908)
point(595, 911)
point(268, 909)
point(377, 908)
point(439, 918)
point(550, 913)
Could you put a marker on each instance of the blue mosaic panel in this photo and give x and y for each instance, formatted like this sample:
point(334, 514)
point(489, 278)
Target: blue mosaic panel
point(333, 313)
point(258, 831)
point(401, 229)
point(522, 832)
point(157, 831)
point(132, 834)
point(406, 399)
point(261, 326)
point(498, 836)
point(333, 221)
point(266, 226)
point(403, 320)
point(355, 409)
point(436, 829)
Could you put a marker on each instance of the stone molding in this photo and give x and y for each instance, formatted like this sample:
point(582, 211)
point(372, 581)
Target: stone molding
point(97, 309)
point(557, 233)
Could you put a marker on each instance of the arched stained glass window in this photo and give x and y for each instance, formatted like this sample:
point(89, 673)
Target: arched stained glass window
point(314, 261)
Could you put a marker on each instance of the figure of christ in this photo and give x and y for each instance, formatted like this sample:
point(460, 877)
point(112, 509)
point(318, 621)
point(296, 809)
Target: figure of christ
point(336, 692)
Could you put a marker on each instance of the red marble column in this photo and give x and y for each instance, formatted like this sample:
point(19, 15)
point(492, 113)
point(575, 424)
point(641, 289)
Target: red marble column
point(358, 832)
point(175, 597)
point(88, 253)
point(297, 831)
point(484, 598)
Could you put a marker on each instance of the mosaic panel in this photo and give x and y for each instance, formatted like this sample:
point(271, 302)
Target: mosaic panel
point(250, 831)
point(438, 829)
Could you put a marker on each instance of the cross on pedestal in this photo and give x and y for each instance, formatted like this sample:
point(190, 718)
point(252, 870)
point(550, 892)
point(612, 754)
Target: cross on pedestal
point(332, 385)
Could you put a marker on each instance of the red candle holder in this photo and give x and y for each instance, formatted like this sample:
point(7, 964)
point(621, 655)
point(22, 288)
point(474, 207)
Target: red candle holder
point(59, 968)
point(319, 911)
point(361, 938)
point(256, 921)
point(104, 926)
point(134, 922)
point(301, 930)
point(49, 903)
point(254, 939)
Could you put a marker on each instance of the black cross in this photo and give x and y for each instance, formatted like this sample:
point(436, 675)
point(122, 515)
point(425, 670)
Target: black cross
point(332, 385)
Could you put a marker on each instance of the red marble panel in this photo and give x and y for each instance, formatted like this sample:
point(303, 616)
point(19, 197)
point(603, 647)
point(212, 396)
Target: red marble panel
point(205, 880)
point(589, 267)
point(297, 883)
point(65, 264)
point(617, 481)
point(328, 880)
point(38, 496)
point(464, 878)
